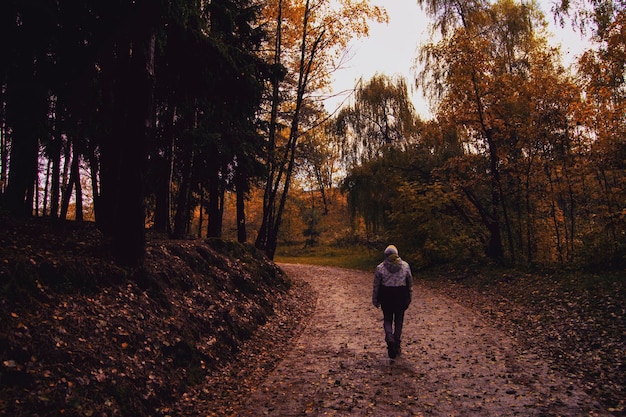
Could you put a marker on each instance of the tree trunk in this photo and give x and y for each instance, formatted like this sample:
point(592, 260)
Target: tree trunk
point(269, 196)
point(46, 190)
point(129, 228)
point(36, 203)
point(280, 187)
point(495, 249)
point(608, 198)
point(95, 188)
point(571, 217)
point(216, 192)
point(4, 156)
point(163, 191)
point(73, 183)
point(182, 215)
point(65, 179)
point(555, 220)
point(67, 182)
point(134, 163)
point(23, 172)
point(200, 216)
point(67, 194)
point(529, 229)
point(55, 190)
point(24, 117)
point(320, 182)
point(77, 187)
point(241, 188)
point(124, 157)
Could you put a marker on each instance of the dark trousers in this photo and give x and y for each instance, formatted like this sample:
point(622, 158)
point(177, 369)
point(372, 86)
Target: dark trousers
point(393, 320)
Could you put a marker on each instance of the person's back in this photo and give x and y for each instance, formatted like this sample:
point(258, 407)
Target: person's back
point(392, 291)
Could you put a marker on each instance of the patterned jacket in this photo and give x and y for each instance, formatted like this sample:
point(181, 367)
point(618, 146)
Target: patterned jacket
point(396, 273)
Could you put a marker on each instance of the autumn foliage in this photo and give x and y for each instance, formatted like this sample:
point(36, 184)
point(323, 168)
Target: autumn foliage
point(524, 162)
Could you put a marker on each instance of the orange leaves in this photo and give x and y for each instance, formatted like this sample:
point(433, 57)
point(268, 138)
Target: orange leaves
point(330, 25)
point(548, 139)
point(99, 375)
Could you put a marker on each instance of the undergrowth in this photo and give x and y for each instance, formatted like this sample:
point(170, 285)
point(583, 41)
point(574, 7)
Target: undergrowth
point(354, 257)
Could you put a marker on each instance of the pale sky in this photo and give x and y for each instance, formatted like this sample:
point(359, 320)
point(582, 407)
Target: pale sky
point(392, 48)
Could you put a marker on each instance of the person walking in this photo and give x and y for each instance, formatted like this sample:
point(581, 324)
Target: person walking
point(393, 290)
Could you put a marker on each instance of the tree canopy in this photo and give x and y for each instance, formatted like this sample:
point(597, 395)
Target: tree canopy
point(166, 105)
point(150, 114)
point(516, 163)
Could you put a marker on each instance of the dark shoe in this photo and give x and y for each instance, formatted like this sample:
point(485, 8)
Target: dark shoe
point(398, 349)
point(391, 350)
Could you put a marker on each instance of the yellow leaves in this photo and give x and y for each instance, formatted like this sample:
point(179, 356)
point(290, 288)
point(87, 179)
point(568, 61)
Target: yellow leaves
point(10, 363)
point(357, 16)
point(330, 26)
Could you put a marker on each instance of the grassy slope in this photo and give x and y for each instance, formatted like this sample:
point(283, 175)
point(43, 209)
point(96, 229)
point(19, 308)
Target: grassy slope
point(361, 258)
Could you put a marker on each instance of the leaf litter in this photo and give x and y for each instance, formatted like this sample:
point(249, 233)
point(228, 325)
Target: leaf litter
point(454, 362)
point(210, 330)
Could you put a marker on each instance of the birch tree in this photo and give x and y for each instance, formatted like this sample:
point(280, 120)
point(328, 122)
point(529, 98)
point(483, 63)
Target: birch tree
point(309, 37)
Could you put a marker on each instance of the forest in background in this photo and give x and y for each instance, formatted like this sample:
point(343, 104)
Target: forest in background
point(177, 116)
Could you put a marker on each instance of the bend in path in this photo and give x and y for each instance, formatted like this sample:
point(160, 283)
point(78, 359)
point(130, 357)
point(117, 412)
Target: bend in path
point(453, 363)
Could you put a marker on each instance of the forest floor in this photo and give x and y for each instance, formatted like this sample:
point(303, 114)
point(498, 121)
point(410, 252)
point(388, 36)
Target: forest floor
point(453, 363)
point(210, 329)
point(80, 336)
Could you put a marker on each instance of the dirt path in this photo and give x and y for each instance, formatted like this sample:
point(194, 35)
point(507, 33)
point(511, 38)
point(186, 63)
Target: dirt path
point(452, 364)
